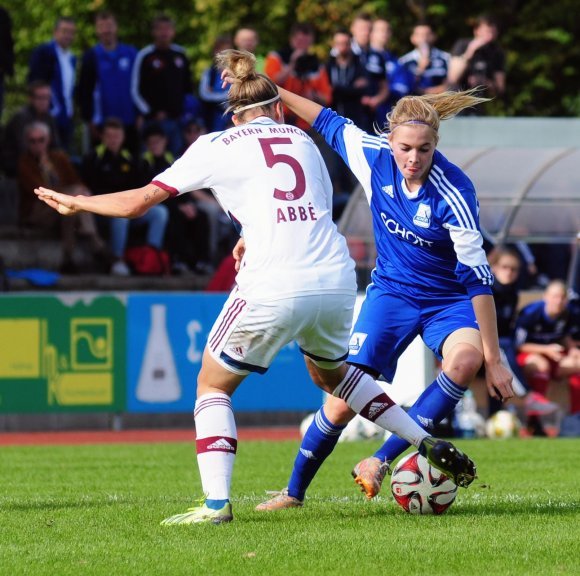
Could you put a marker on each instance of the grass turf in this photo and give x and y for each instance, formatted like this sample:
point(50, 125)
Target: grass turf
point(96, 510)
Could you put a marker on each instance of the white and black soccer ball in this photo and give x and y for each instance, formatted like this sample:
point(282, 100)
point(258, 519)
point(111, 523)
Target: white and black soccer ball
point(502, 424)
point(360, 428)
point(419, 488)
point(305, 424)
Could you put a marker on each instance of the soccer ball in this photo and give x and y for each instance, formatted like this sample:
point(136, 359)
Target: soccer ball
point(503, 424)
point(305, 424)
point(360, 429)
point(419, 488)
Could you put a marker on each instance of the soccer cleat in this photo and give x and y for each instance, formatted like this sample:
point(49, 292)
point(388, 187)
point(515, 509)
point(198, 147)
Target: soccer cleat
point(369, 474)
point(201, 514)
point(449, 459)
point(279, 501)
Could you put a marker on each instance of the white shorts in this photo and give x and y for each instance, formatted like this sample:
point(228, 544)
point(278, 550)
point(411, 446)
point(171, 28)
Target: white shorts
point(247, 336)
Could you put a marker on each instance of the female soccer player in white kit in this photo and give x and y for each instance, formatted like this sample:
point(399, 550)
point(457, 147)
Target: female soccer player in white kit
point(296, 280)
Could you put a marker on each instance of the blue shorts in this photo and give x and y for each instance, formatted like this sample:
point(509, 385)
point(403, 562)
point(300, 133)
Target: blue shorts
point(390, 319)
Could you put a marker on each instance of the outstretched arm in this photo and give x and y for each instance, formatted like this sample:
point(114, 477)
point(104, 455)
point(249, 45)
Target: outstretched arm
point(126, 204)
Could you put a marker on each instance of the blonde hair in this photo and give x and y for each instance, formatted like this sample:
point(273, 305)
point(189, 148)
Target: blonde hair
point(430, 109)
point(248, 87)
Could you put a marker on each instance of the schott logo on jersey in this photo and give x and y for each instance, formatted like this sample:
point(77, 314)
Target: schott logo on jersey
point(423, 216)
point(407, 235)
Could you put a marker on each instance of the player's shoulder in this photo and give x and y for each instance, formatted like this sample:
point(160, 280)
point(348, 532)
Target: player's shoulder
point(445, 173)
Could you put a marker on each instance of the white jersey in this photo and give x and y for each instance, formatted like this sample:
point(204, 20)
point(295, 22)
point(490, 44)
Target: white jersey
point(272, 182)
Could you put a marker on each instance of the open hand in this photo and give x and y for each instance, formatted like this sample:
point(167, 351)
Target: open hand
point(62, 203)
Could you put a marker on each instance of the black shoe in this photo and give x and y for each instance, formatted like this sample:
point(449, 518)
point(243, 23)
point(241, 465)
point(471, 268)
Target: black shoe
point(449, 459)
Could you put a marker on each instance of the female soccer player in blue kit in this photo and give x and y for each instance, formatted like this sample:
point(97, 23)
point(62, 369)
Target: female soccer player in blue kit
point(431, 278)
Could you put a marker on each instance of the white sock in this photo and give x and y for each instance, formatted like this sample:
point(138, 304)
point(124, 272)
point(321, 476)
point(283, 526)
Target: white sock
point(216, 444)
point(363, 395)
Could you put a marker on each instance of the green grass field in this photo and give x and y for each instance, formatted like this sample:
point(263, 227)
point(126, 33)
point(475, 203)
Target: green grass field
point(96, 510)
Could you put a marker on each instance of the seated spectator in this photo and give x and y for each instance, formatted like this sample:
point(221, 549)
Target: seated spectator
point(547, 351)
point(36, 110)
point(426, 66)
point(188, 231)
point(506, 266)
point(479, 61)
point(220, 235)
point(40, 165)
point(111, 167)
point(212, 94)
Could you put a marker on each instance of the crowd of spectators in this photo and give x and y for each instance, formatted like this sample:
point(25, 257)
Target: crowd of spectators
point(117, 116)
point(121, 114)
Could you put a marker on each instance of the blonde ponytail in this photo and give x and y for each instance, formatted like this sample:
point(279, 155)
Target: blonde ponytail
point(430, 109)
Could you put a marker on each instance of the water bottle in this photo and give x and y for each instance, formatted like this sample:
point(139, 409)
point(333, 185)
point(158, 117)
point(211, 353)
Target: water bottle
point(465, 416)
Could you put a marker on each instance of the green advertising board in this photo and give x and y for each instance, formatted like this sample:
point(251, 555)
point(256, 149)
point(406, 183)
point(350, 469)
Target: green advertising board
point(62, 353)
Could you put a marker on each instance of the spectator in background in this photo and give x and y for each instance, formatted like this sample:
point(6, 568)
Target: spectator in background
point(297, 69)
point(247, 38)
point(374, 64)
point(347, 77)
point(162, 80)
point(104, 89)
point(187, 230)
point(380, 37)
point(111, 167)
point(506, 266)
point(426, 66)
point(212, 94)
point(349, 82)
point(6, 52)
point(547, 350)
point(39, 165)
point(36, 110)
point(479, 61)
point(55, 64)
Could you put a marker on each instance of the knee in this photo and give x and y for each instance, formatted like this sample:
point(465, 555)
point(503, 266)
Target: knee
point(464, 366)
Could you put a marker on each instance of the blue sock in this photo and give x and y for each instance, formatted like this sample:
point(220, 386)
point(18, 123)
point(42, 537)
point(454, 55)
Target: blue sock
point(216, 504)
point(437, 401)
point(318, 442)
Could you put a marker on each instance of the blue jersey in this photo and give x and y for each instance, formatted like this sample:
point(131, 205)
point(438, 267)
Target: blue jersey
point(534, 326)
point(429, 239)
point(105, 84)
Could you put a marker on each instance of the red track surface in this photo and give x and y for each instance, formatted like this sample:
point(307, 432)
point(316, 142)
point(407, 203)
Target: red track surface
point(135, 436)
